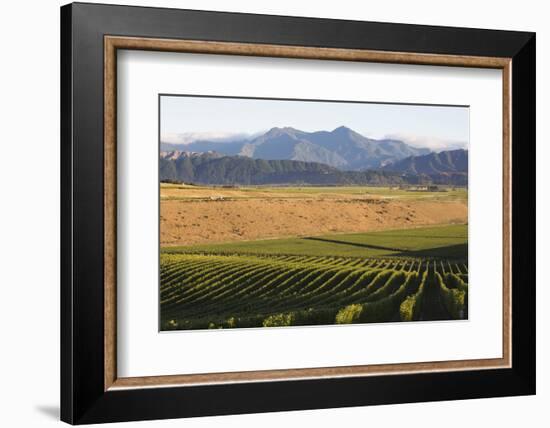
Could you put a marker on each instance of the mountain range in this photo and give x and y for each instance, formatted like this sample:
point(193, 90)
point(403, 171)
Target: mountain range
point(342, 148)
point(219, 169)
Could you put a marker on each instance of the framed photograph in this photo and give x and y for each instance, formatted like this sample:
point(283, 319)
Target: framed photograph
point(266, 213)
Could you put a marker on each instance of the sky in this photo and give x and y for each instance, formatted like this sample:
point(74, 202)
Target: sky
point(185, 118)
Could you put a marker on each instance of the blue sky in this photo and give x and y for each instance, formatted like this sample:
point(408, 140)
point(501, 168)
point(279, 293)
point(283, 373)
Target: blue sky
point(186, 118)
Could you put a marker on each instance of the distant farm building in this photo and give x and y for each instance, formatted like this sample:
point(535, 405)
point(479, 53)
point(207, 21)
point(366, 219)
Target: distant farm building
point(422, 188)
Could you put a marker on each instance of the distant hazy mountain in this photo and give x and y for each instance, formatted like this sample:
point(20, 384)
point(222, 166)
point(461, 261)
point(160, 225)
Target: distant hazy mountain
point(342, 148)
point(216, 168)
point(450, 161)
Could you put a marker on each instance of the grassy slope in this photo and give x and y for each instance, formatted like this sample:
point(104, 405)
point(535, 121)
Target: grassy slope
point(442, 241)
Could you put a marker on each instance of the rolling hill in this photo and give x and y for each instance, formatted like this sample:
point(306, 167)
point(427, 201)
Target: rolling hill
point(219, 169)
point(446, 162)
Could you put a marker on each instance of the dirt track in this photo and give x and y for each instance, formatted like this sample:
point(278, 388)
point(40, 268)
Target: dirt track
point(185, 222)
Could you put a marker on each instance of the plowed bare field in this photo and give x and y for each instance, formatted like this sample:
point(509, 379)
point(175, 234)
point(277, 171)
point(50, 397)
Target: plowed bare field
point(196, 215)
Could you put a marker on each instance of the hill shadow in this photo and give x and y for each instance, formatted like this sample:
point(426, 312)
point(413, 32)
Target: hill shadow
point(354, 244)
point(457, 251)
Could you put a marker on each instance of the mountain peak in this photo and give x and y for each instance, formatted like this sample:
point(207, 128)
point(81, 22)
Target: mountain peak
point(278, 131)
point(341, 128)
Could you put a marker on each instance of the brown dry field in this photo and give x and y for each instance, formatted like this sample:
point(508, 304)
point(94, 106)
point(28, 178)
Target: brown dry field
point(199, 215)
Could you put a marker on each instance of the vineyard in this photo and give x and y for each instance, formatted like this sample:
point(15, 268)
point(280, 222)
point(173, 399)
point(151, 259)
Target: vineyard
point(228, 290)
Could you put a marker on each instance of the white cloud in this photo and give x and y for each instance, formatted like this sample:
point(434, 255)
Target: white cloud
point(190, 137)
point(432, 143)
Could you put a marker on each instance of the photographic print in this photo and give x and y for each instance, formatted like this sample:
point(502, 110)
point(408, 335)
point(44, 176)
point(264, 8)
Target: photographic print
point(282, 212)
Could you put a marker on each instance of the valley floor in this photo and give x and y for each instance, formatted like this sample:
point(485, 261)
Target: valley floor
point(280, 256)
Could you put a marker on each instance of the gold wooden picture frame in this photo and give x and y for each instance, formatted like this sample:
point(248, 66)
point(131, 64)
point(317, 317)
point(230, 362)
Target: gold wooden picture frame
point(114, 43)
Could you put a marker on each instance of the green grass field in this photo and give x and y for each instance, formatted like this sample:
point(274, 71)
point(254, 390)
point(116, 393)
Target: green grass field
point(442, 241)
point(252, 192)
point(398, 275)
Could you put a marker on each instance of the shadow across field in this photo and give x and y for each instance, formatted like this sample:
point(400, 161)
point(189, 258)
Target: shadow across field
point(429, 242)
point(457, 251)
point(354, 244)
